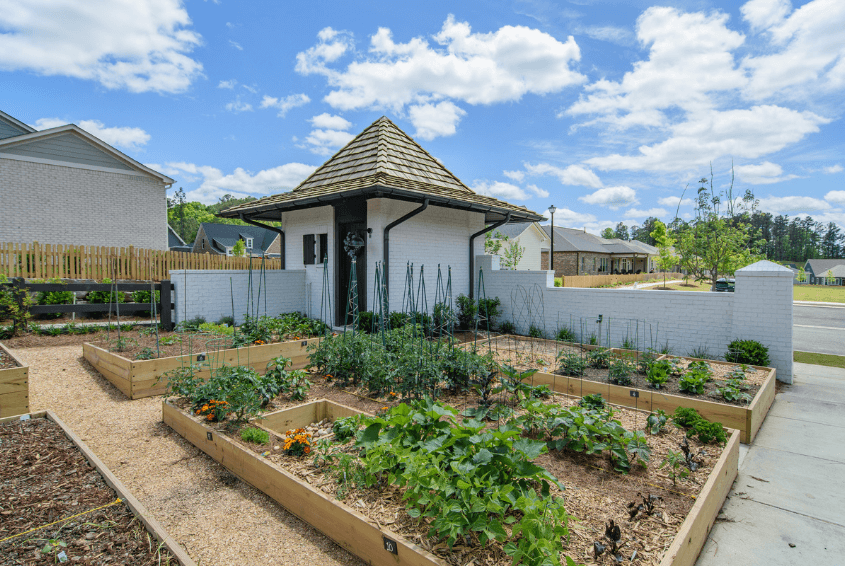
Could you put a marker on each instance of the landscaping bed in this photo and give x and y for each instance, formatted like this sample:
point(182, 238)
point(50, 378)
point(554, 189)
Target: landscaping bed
point(368, 520)
point(60, 503)
point(14, 385)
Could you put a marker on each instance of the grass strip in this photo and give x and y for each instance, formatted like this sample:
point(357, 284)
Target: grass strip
point(819, 359)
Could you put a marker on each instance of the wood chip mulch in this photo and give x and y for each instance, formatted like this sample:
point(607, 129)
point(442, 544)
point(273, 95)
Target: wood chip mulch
point(7, 361)
point(46, 479)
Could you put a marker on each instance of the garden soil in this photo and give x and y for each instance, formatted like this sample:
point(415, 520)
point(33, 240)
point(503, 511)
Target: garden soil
point(219, 519)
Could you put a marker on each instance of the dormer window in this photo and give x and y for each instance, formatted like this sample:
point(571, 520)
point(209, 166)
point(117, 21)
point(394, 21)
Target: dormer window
point(249, 243)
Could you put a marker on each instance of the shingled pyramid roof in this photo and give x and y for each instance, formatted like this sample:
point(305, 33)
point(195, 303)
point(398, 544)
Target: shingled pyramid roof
point(382, 161)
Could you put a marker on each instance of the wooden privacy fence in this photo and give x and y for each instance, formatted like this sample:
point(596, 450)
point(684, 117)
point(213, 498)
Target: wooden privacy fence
point(44, 261)
point(601, 280)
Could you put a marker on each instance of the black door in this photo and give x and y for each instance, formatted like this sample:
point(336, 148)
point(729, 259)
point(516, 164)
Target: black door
point(350, 218)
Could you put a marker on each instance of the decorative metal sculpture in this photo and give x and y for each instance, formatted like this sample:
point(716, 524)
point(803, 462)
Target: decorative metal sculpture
point(352, 244)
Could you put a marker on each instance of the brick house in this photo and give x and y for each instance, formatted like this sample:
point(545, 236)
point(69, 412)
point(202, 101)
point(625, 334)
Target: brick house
point(220, 239)
point(578, 252)
point(399, 205)
point(66, 186)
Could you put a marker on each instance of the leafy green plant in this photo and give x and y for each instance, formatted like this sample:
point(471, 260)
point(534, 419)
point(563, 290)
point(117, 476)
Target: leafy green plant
point(191, 325)
point(217, 329)
point(104, 297)
point(628, 344)
point(674, 460)
point(54, 297)
point(146, 353)
point(656, 421)
point(593, 339)
point(700, 352)
point(748, 352)
point(345, 428)
point(621, 372)
point(692, 383)
point(144, 297)
point(734, 390)
point(665, 349)
point(255, 435)
point(569, 363)
point(565, 334)
point(658, 373)
point(507, 327)
point(122, 343)
point(696, 425)
point(593, 402)
point(277, 379)
point(227, 320)
point(599, 358)
point(14, 304)
point(467, 311)
point(536, 332)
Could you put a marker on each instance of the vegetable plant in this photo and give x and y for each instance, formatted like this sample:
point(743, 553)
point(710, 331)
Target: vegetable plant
point(695, 424)
point(593, 401)
point(656, 421)
point(345, 428)
point(692, 383)
point(565, 334)
point(734, 390)
point(255, 435)
point(674, 460)
point(571, 364)
point(599, 358)
point(621, 371)
point(658, 374)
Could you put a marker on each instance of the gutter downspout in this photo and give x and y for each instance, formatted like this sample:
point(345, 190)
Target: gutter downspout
point(272, 229)
point(387, 243)
point(472, 255)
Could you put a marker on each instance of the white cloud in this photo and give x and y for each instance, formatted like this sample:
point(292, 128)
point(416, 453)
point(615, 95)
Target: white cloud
point(567, 217)
point(504, 191)
point(475, 68)
point(836, 197)
point(286, 103)
point(542, 193)
point(326, 142)
point(137, 45)
point(230, 84)
point(238, 105)
point(236, 45)
point(690, 58)
point(792, 204)
point(636, 213)
point(762, 174)
point(612, 197)
point(517, 176)
point(572, 175)
point(674, 201)
point(612, 34)
point(833, 169)
point(251, 89)
point(705, 137)
point(240, 182)
point(126, 137)
point(432, 120)
point(327, 121)
point(806, 53)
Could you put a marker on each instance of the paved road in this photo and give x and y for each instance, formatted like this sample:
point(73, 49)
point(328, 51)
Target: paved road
point(819, 329)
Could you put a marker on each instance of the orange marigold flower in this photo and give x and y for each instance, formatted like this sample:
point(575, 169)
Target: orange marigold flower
point(307, 450)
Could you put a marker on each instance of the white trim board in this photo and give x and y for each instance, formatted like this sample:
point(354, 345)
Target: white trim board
point(74, 165)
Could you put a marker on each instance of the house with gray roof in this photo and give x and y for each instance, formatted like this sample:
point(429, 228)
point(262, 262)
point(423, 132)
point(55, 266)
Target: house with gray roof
point(825, 271)
point(531, 239)
point(577, 252)
point(385, 201)
point(175, 243)
point(66, 186)
point(220, 239)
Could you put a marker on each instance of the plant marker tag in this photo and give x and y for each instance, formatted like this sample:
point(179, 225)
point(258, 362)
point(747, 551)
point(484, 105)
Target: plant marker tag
point(304, 343)
point(635, 393)
point(201, 357)
point(209, 436)
point(24, 417)
point(390, 545)
point(62, 556)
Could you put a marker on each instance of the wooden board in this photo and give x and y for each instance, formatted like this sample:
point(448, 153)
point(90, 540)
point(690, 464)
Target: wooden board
point(348, 528)
point(123, 493)
point(304, 415)
point(355, 533)
point(140, 378)
point(747, 420)
point(14, 388)
point(690, 539)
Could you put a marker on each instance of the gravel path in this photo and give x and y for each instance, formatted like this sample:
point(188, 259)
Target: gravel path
point(219, 519)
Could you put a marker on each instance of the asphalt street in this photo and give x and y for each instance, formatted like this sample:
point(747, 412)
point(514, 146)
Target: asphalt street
point(819, 329)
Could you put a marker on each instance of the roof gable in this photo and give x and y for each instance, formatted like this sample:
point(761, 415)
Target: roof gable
point(820, 266)
point(224, 236)
point(11, 127)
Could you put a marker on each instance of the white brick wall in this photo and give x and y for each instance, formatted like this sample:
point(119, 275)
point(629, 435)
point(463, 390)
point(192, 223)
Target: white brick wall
point(296, 224)
point(206, 293)
point(760, 309)
point(52, 204)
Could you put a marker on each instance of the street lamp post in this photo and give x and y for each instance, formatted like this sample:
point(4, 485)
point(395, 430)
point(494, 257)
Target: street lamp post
point(552, 253)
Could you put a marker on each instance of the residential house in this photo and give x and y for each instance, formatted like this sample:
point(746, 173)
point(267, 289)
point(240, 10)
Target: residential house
point(220, 239)
point(577, 252)
point(529, 236)
point(817, 271)
point(66, 186)
point(385, 201)
point(175, 243)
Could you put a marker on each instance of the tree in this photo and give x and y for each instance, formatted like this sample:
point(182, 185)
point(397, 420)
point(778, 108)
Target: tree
point(239, 249)
point(512, 254)
point(829, 278)
point(833, 243)
point(802, 275)
point(621, 232)
point(493, 242)
point(665, 260)
point(608, 233)
point(719, 242)
point(643, 234)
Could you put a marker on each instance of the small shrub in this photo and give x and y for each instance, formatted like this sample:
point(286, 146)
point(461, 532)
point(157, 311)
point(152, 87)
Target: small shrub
point(467, 311)
point(365, 321)
point(571, 364)
point(594, 402)
point(536, 332)
point(565, 334)
point(507, 327)
point(748, 352)
point(621, 372)
point(695, 424)
point(593, 340)
point(227, 320)
point(191, 325)
point(599, 358)
point(103, 297)
point(255, 435)
point(628, 344)
point(54, 298)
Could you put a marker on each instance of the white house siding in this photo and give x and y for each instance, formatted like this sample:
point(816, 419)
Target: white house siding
point(296, 224)
point(209, 293)
point(53, 204)
point(760, 309)
point(533, 244)
point(437, 236)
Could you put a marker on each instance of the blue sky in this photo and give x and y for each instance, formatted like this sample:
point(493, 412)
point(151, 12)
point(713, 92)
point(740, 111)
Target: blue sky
point(607, 110)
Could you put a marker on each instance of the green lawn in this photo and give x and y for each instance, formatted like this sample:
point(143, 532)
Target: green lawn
point(821, 293)
point(819, 359)
point(691, 286)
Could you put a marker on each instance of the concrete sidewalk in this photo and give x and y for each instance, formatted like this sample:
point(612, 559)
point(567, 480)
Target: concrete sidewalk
point(787, 505)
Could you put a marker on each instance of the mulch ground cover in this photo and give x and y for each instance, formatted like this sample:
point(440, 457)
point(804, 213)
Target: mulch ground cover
point(6, 361)
point(44, 480)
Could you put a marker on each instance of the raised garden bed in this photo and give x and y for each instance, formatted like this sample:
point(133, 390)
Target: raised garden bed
point(374, 525)
point(14, 385)
point(61, 504)
point(142, 378)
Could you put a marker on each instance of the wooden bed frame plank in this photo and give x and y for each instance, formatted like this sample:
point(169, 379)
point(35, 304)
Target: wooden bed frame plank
point(14, 387)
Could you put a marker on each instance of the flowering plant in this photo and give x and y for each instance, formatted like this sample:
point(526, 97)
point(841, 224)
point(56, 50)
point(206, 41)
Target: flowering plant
point(297, 442)
point(214, 410)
